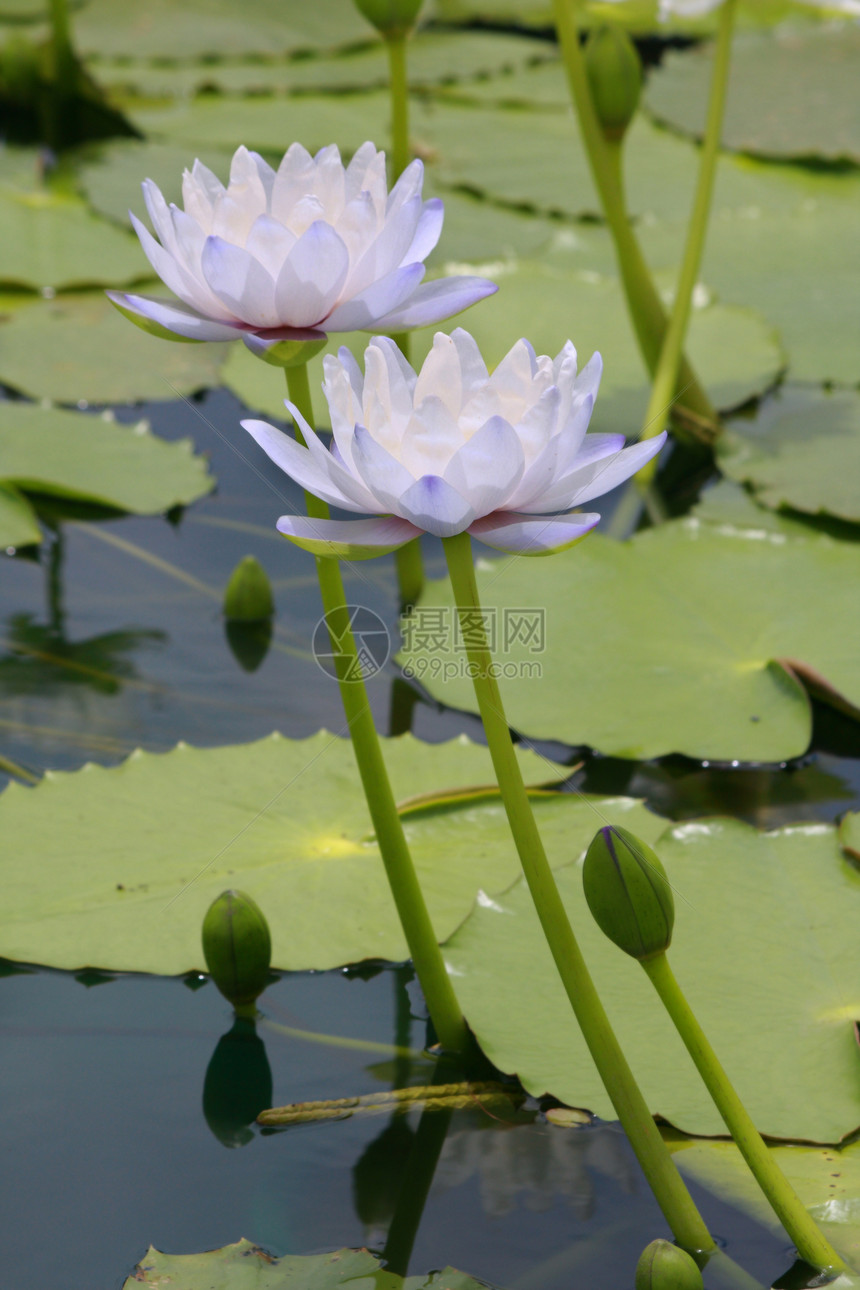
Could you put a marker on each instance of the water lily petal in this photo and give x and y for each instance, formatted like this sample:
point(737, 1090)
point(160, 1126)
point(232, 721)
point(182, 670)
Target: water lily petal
point(239, 282)
point(298, 463)
point(434, 301)
point(312, 276)
point(373, 308)
point(435, 506)
point(427, 231)
point(201, 190)
point(269, 242)
point(508, 532)
point(348, 539)
point(171, 271)
point(171, 316)
point(488, 466)
point(382, 473)
point(598, 476)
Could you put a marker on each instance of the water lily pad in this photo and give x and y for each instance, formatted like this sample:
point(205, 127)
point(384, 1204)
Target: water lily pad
point(849, 834)
point(689, 638)
point(18, 523)
point(245, 1266)
point(750, 907)
point(68, 454)
point(801, 450)
point(791, 93)
point(206, 28)
point(50, 241)
point(827, 1180)
point(77, 348)
point(434, 58)
point(285, 821)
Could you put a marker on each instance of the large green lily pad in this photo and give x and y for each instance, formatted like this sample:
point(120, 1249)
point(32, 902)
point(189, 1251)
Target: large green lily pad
point(112, 174)
point(76, 348)
point(791, 93)
point(435, 58)
point(207, 28)
point(801, 450)
point(689, 638)
point(244, 1266)
point(827, 1180)
point(18, 523)
point(764, 949)
point(147, 846)
point(68, 454)
point(52, 241)
point(849, 835)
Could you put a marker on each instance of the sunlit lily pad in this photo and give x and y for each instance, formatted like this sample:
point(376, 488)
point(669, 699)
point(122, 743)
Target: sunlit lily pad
point(750, 908)
point(245, 1266)
point(802, 450)
point(77, 348)
point(18, 523)
point(204, 28)
point(434, 58)
point(687, 639)
point(791, 93)
point(68, 454)
point(827, 1180)
point(849, 835)
point(52, 241)
point(147, 846)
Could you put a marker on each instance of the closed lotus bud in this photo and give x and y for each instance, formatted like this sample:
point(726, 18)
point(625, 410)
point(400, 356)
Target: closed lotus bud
point(662, 1266)
point(615, 76)
point(237, 947)
point(248, 598)
point(391, 17)
point(628, 892)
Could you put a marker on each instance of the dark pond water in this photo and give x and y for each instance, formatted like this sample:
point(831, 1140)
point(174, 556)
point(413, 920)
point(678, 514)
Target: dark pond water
point(116, 640)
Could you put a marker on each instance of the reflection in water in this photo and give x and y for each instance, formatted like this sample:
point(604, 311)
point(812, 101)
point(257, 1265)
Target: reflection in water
point(536, 1163)
point(377, 1178)
point(249, 642)
point(238, 1084)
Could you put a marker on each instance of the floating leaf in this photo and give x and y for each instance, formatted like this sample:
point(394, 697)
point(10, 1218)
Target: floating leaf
point(207, 28)
point(791, 93)
point(77, 348)
point(434, 58)
point(827, 1180)
point(750, 907)
point(286, 822)
point(68, 454)
point(18, 523)
point(244, 1266)
point(801, 450)
point(849, 834)
point(51, 241)
point(686, 639)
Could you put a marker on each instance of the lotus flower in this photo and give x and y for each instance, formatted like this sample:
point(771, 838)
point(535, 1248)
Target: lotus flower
point(294, 253)
point(452, 449)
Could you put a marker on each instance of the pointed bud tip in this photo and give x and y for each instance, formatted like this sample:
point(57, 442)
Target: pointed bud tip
point(628, 892)
point(663, 1266)
point(248, 597)
point(237, 947)
point(615, 76)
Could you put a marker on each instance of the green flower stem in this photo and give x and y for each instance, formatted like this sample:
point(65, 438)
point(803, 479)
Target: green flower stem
point(666, 376)
point(657, 1165)
point(646, 309)
point(811, 1244)
point(402, 878)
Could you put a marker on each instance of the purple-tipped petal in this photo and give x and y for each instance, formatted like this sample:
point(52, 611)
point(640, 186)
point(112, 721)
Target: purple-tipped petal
point(240, 282)
point(369, 310)
point(170, 318)
point(434, 301)
point(598, 476)
point(433, 505)
point(428, 231)
point(386, 477)
point(298, 463)
point(348, 539)
point(543, 536)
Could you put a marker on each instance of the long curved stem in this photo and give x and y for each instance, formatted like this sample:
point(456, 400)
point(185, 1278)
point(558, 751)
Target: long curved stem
point(402, 878)
point(646, 309)
point(811, 1243)
point(672, 1196)
point(666, 376)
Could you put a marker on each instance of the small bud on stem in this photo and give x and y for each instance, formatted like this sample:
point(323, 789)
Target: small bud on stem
point(614, 72)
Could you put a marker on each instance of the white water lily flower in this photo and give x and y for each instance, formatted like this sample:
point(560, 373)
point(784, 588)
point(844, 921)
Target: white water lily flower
point(294, 253)
point(453, 449)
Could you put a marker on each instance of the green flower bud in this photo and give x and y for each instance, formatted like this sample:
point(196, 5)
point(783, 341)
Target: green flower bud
point(248, 598)
point(237, 947)
point(628, 892)
point(391, 17)
point(662, 1266)
point(615, 76)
